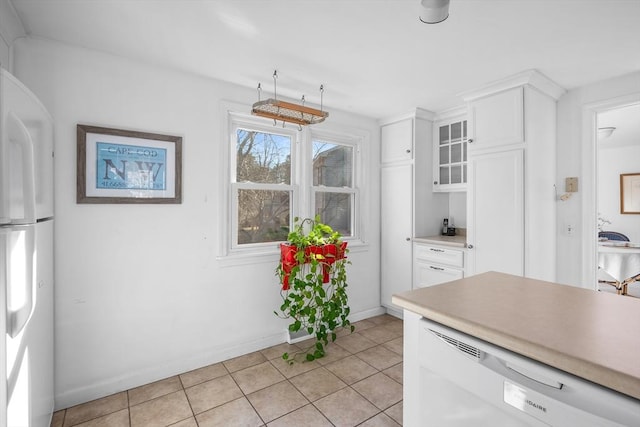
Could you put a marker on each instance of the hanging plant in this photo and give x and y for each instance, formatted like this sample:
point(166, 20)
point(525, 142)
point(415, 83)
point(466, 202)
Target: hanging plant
point(313, 278)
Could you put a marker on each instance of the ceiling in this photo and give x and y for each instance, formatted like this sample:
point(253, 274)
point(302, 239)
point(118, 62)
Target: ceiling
point(626, 120)
point(374, 57)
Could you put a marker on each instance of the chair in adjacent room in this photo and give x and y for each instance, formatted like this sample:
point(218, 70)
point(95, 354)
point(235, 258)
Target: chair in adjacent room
point(621, 287)
point(612, 235)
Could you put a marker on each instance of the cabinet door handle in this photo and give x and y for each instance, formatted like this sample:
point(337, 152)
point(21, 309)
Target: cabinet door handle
point(408, 239)
point(436, 268)
point(470, 140)
point(469, 246)
point(435, 182)
point(436, 250)
point(408, 151)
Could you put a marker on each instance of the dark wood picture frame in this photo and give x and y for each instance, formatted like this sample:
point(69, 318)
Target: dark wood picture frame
point(123, 166)
point(630, 193)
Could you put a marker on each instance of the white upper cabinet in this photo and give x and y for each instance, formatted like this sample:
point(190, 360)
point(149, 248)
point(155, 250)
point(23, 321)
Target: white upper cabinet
point(497, 119)
point(450, 154)
point(396, 141)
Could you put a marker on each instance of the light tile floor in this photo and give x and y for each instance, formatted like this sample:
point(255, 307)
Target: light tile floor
point(357, 383)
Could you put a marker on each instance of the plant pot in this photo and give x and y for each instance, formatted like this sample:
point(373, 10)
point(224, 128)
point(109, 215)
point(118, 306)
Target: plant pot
point(324, 254)
point(288, 261)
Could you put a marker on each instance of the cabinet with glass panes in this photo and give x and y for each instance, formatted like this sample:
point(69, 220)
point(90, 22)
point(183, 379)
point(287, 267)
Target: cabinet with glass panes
point(450, 154)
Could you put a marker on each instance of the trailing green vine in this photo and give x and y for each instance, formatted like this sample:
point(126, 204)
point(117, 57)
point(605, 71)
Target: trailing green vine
point(313, 274)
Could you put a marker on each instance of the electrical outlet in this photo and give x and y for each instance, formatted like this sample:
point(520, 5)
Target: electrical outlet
point(569, 229)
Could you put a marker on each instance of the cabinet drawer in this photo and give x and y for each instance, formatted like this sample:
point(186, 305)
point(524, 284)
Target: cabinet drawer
point(428, 274)
point(452, 257)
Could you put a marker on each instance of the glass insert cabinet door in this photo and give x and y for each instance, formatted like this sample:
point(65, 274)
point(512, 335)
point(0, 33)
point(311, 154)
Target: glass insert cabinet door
point(451, 156)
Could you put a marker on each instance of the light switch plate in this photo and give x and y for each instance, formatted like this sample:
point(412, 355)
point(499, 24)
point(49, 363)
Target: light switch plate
point(571, 184)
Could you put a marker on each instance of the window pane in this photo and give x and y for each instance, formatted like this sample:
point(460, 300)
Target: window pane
point(456, 153)
point(444, 155)
point(335, 210)
point(456, 131)
point(332, 164)
point(444, 175)
point(263, 216)
point(456, 174)
point(444, 134)
point(263, 157)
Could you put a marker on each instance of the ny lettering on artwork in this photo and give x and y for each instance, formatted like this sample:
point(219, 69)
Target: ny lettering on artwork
point(143, 167)
point(130, 167)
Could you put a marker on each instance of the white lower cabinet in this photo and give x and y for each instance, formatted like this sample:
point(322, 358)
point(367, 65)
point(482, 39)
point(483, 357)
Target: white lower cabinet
point(396, 191)
point(434, 264)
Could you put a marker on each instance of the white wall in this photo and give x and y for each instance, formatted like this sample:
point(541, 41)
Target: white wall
point(140, 294)
point(10, 29)
point(458, 209)
point(576, 157)
point(611, 163)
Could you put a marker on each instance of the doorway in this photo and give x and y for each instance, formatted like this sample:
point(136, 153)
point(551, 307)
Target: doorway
point(613, 133)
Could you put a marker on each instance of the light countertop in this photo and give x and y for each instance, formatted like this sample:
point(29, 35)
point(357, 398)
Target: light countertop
point(458, 241)
point(593, 335)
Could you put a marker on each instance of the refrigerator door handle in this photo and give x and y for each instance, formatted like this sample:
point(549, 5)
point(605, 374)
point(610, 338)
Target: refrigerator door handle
point(23, 250)
point(19, 134)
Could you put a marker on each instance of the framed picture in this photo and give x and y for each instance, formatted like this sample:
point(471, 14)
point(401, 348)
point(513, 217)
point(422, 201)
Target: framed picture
point(630, 193)
point(121, 166)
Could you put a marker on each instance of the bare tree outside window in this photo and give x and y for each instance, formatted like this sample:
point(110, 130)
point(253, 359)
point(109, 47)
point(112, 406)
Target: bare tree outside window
point(332, 170)
point(262, 159)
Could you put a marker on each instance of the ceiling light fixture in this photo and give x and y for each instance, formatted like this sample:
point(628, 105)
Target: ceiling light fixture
point(605, 132)
point(434, 11)
point(287, 111)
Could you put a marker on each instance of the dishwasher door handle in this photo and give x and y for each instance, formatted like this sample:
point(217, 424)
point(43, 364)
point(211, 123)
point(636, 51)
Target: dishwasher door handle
point(534, 376)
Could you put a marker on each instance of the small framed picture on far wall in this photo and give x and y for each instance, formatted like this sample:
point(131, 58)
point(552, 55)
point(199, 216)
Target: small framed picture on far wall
point(630, 193)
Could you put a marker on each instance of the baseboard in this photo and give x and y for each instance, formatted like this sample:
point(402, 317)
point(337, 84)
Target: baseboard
point(361, 315)
point(131, 380)
point(299, 336)
point(395, 313)
point(206, 357)
point(294, 337)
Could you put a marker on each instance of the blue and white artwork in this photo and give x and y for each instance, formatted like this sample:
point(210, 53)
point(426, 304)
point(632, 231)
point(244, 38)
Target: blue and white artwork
point(131, 167)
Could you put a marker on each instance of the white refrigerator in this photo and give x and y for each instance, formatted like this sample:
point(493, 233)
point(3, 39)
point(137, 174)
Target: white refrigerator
point(26, 257)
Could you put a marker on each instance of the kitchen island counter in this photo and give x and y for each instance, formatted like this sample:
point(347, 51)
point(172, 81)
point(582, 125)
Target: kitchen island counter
point(590, 334)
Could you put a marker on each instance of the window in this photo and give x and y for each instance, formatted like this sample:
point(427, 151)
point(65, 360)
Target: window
point(278, 173)
point(261, 185)
point(334, 193)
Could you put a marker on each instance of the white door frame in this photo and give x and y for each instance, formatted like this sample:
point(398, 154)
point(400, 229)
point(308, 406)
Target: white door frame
point(590, 181)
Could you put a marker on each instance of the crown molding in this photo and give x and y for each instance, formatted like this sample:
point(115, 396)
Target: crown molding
point(532, 78)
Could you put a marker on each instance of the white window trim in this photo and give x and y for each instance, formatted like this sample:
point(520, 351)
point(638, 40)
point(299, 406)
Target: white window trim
point(303, 195)
point(355, 142)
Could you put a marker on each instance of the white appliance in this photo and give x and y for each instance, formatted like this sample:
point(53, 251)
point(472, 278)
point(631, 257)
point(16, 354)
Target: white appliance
point(465, 381)
point(26, 257)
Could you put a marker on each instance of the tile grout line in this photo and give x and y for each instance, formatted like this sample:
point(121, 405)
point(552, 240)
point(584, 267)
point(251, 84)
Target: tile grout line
point(244, 395)
point(184, 390)
point(312, 403)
